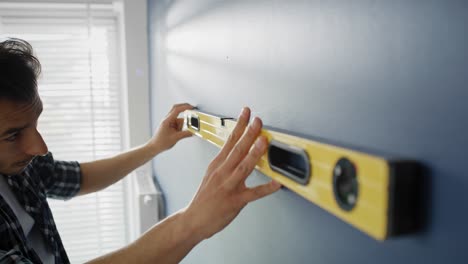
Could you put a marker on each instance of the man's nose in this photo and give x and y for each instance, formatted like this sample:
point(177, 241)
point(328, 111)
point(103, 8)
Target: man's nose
point(35, 145)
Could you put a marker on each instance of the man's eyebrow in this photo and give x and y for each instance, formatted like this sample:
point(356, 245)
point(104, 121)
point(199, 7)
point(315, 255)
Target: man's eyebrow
point(12, 131)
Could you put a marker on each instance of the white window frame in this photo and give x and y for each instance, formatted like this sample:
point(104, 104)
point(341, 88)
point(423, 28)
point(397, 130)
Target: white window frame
point(136, 128)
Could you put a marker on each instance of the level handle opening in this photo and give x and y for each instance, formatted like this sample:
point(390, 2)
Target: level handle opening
point(290, 161)
point(194, 122)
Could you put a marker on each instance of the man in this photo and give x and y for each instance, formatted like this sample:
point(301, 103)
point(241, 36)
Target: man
point(29, 174)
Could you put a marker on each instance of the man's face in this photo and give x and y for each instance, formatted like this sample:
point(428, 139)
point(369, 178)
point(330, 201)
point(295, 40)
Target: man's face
point(20, 141)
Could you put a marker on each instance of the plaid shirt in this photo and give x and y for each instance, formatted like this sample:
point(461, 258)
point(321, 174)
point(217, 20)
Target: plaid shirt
point(43, 177)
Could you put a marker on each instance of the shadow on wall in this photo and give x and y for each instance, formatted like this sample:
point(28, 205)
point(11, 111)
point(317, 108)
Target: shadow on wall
point(203, 45)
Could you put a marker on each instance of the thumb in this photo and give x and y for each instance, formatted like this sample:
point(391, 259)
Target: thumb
point(261, 191)
point(184, 134)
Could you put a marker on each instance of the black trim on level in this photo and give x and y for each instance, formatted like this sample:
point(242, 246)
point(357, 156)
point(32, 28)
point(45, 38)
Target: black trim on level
point(405, 192)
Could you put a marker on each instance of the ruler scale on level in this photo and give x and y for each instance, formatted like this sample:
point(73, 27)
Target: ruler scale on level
point(374, 194)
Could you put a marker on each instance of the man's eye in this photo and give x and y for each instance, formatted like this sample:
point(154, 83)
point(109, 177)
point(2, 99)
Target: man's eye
point(12, 137)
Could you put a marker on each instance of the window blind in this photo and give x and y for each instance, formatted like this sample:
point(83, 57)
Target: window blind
point(78, 47)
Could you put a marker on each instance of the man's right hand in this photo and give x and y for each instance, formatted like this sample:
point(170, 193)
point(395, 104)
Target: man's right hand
point(223, 193)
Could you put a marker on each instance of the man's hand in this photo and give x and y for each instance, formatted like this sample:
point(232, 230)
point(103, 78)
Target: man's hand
point(223, 193)
point(99, 174)
point(170, 130)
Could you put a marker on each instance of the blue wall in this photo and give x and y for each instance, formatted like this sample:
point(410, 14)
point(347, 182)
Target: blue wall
point(387, 76)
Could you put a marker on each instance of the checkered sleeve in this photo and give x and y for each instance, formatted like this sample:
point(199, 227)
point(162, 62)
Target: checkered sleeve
point(61, 179)
point(12, 257)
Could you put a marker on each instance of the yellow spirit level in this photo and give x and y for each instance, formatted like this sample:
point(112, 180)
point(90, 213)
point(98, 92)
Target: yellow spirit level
point(376, 195)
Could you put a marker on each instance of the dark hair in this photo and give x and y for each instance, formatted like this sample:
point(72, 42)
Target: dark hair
point(19, 70)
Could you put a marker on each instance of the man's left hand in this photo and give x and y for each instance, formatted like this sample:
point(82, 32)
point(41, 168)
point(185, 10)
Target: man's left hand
point(170, 130)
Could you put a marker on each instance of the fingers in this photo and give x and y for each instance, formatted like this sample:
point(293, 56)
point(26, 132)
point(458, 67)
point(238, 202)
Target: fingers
point(180, 123)
point(247, 165)
point(242, 147)
point(177, 109)
point(236, 133)
point(183, 134)
point(261, 191)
